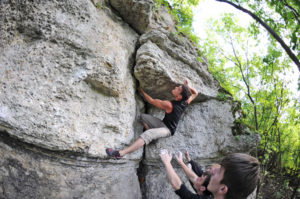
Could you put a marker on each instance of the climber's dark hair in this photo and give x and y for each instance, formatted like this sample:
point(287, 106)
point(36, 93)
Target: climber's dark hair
point(185, 93)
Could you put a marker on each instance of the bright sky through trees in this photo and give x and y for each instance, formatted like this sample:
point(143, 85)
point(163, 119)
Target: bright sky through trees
point(213, 9)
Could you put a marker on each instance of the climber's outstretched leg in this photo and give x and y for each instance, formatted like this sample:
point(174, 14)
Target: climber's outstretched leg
point(145, 138)
point(133, 147)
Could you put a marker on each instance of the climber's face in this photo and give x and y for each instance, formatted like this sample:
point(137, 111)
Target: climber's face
point(177, 92)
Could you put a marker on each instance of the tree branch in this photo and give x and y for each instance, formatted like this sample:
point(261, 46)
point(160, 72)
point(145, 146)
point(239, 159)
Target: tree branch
point(222, 52)
point(247, 60)
point(246, 83)
point(269, 29)
point(292, 9)
point(240, 89)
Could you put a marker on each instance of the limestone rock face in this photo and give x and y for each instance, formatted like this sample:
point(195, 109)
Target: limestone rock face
point(32, 172)
point(68, 89)
point(65, 86)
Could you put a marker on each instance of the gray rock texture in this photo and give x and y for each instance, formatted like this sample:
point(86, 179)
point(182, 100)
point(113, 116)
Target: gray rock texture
point(61, 81)
point(68, 89)
point(165, 60)
point(202, 127)
point(32, 172)
point(144, 15)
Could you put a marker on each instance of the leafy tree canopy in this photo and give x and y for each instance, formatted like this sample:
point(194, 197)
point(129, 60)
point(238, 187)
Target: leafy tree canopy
point(279, 17)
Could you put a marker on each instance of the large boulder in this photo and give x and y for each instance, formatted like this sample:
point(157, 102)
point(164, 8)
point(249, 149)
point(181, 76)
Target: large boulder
point(68, 90)
point(165, 60)
point(66, 87)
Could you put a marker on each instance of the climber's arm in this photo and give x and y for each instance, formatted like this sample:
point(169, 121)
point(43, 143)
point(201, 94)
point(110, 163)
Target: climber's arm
point(161, 104)
point(171, 174)
point(193, 91)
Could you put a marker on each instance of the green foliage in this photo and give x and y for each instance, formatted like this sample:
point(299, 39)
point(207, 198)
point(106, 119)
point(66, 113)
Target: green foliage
point(222, 96)
point(188, 32)
point(159, 3)
point(99, 5)
point(182, 11)
point(278, 194)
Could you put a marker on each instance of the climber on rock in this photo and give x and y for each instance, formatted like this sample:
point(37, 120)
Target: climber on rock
point(156, 128)
point(237, 177)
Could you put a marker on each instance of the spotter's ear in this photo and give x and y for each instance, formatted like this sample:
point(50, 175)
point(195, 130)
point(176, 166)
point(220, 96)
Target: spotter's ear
point(223, 189)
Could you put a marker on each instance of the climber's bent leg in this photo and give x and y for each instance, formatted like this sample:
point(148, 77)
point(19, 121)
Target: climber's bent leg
point(151, 122)
point(154, 134)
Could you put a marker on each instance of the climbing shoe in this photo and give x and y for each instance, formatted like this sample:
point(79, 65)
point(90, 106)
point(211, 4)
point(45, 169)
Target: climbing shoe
point(113, 153)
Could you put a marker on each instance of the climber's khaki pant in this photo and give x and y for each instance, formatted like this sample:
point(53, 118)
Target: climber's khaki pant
point(157, 129)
